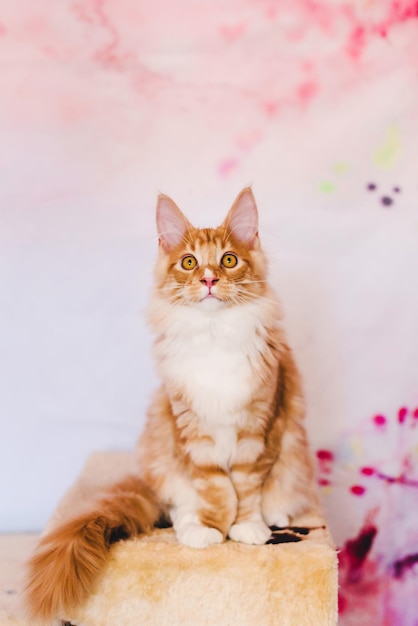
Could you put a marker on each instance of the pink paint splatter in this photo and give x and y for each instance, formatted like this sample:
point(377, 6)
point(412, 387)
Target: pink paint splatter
point(355, 552)
point(232, 32)
point(271, 108)
point(380, 420)
point(325, 465)
point(358, 490)
point(402, 413)
point(94, 13)
point(368, 471)
point(325, 455)
point(108, 55)
point(369, 589)
point(415, 413)
point(399, 13)
point(357, 42)
point(342, 604)
point(248, 141)
point(227, 166)
point(271, 12)
point(359, 592)
point(321, 14)
point(306, 91)
point(325, 461)
point(324, 482)
point(362, 33)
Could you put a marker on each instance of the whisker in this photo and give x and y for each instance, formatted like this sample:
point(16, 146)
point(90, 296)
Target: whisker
point(244, 297)
point(249, 282)
point(168, 288)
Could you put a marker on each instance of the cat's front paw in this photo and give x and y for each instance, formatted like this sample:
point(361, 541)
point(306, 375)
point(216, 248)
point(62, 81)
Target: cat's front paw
point(281, 520)
point(199, 536)
point(250, 532)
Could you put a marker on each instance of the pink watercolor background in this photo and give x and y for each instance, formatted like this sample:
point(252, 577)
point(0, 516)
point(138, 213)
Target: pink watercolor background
point(103, 104)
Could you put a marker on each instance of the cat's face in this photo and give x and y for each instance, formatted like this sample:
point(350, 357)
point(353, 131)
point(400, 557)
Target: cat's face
point(210, 267)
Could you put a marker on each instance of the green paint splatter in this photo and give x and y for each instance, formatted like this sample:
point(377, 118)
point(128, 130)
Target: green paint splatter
point(387, 154)
point(326, 186)
point(341, 168)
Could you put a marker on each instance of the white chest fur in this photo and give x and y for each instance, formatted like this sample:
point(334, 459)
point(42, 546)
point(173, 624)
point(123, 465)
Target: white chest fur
point(212, 357)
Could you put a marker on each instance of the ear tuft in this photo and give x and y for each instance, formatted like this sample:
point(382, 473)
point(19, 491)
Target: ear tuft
point(172, 225)
point(242, 219)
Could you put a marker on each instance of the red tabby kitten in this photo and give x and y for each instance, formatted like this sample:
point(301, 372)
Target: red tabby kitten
point(224, 450)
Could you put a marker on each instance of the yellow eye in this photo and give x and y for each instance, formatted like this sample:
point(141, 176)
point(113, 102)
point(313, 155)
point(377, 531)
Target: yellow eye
point(188, 262)
point(229, 260)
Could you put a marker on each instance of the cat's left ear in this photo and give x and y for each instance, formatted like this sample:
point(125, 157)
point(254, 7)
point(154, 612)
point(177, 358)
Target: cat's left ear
point(242, 219)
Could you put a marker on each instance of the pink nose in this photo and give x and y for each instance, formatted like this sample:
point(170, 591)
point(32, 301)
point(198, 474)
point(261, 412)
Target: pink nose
point(209, 282)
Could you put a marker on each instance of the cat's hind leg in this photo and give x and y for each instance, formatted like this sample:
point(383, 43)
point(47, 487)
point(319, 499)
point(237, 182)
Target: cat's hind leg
point(289, 489)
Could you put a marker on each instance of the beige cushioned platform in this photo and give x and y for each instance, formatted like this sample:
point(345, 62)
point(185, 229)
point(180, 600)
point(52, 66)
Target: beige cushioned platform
point(153, 581)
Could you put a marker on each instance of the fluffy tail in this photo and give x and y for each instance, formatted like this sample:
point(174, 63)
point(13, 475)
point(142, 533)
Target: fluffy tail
point(69, 559)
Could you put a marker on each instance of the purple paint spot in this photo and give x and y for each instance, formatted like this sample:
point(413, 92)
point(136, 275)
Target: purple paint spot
point(402, 413)
point(368, 471)
point(399, 480)
point(355, 552)
point(403, 565)
point(386, 201)
point(380, 420)
point(358, 490)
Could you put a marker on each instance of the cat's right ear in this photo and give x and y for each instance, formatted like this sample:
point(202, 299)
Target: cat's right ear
point(172, 225)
